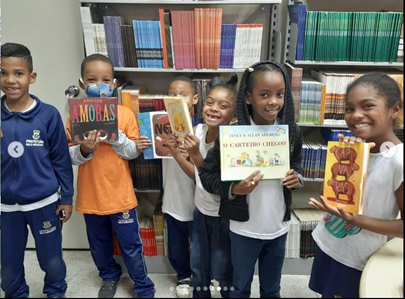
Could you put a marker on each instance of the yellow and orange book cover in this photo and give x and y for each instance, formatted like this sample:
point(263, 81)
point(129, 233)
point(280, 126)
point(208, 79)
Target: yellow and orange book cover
point(345, 175)
point(179, 116)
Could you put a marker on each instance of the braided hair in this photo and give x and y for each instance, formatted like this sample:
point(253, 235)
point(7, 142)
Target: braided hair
point(247, 84)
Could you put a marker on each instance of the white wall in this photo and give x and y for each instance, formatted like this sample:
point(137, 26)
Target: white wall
point(52, 30)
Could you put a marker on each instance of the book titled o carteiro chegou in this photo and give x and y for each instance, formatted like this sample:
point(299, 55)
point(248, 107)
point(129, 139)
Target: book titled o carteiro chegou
point(245, 149)
point(88, 114)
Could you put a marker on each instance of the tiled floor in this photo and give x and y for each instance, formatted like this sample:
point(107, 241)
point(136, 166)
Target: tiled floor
point(83, 280)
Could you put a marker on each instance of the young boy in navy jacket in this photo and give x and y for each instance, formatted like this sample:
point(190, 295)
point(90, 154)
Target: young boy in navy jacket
point(37, 178)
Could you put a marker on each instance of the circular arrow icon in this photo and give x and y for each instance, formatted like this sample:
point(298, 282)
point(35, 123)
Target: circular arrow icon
point(388, 149)
point(15, 149)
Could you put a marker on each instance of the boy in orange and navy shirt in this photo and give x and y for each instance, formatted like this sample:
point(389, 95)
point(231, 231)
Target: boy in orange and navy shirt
point(105, 193)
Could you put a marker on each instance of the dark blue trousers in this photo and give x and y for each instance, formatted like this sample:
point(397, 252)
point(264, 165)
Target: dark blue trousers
point(245, 252)
point(210, 254)
point(100, 236)
point(46, 229)
point(179, 235)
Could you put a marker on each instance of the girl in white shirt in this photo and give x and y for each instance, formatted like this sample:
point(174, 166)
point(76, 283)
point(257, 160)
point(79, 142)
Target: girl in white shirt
point(210, 242)
point(346, 241)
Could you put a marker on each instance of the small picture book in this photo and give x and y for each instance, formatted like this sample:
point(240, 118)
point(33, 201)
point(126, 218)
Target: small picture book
point(345, 174)
point(156, 126)
point(245, 149)
point(179, 116)
point(88, 114)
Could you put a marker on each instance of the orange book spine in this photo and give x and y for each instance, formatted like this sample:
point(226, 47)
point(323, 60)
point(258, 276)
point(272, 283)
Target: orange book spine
point(163, 36)
point(197, 20)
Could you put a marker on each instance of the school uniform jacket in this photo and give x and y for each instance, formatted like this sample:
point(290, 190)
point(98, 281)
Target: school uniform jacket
point(45, 164)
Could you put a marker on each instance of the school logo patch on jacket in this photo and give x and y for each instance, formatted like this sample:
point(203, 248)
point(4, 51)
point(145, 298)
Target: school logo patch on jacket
point(35, 134)
point(36, 141)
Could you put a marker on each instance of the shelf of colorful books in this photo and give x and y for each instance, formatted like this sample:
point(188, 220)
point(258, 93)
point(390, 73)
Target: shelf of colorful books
point(346, 63)
point(336, 126)
point(162, 70)
point(184, 2)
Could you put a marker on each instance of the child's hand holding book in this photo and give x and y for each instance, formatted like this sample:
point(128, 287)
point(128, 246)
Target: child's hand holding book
point(246, 186)
point(90, 144)
point(142, 143)
point(192, 144)
point(291, 180)
point(345, 169)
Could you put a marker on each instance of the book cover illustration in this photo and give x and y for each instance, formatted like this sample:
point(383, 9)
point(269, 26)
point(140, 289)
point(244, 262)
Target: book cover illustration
point(156, 126)
point(345, 173)
point(88, 114)
point(179, 116)
point(245, 149)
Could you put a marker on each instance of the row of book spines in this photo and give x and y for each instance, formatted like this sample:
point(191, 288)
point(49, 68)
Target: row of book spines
point(248, 44)
point(146, 174)
point(302, 244)
point(153, 42)
point(297, 14)
point(313, 160)
point(148, 43)
point(207, 34)
point(314, 154)
point(334, 36)
point(228, 35)
point(307, 242)
point(400, 53)
point(311, 98)
point(331, 99)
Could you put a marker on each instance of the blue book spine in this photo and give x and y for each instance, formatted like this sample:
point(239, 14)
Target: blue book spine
point(232, 37)
point(137, 43)
point(222, 62)
point(118, 41)
point(302, 12)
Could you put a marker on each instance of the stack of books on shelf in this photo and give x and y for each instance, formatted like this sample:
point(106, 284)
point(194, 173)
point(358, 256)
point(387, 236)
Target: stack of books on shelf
point(313, 160)
point(146, 174)
point(311, 97)
point(322, 95)
point(333, 134)
point(147, 233)
point(400, 54)
point(314, 153)
point(158, 223)
point(308, 220)
point(292, 246)
point(194, 39)
point(344, 36)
